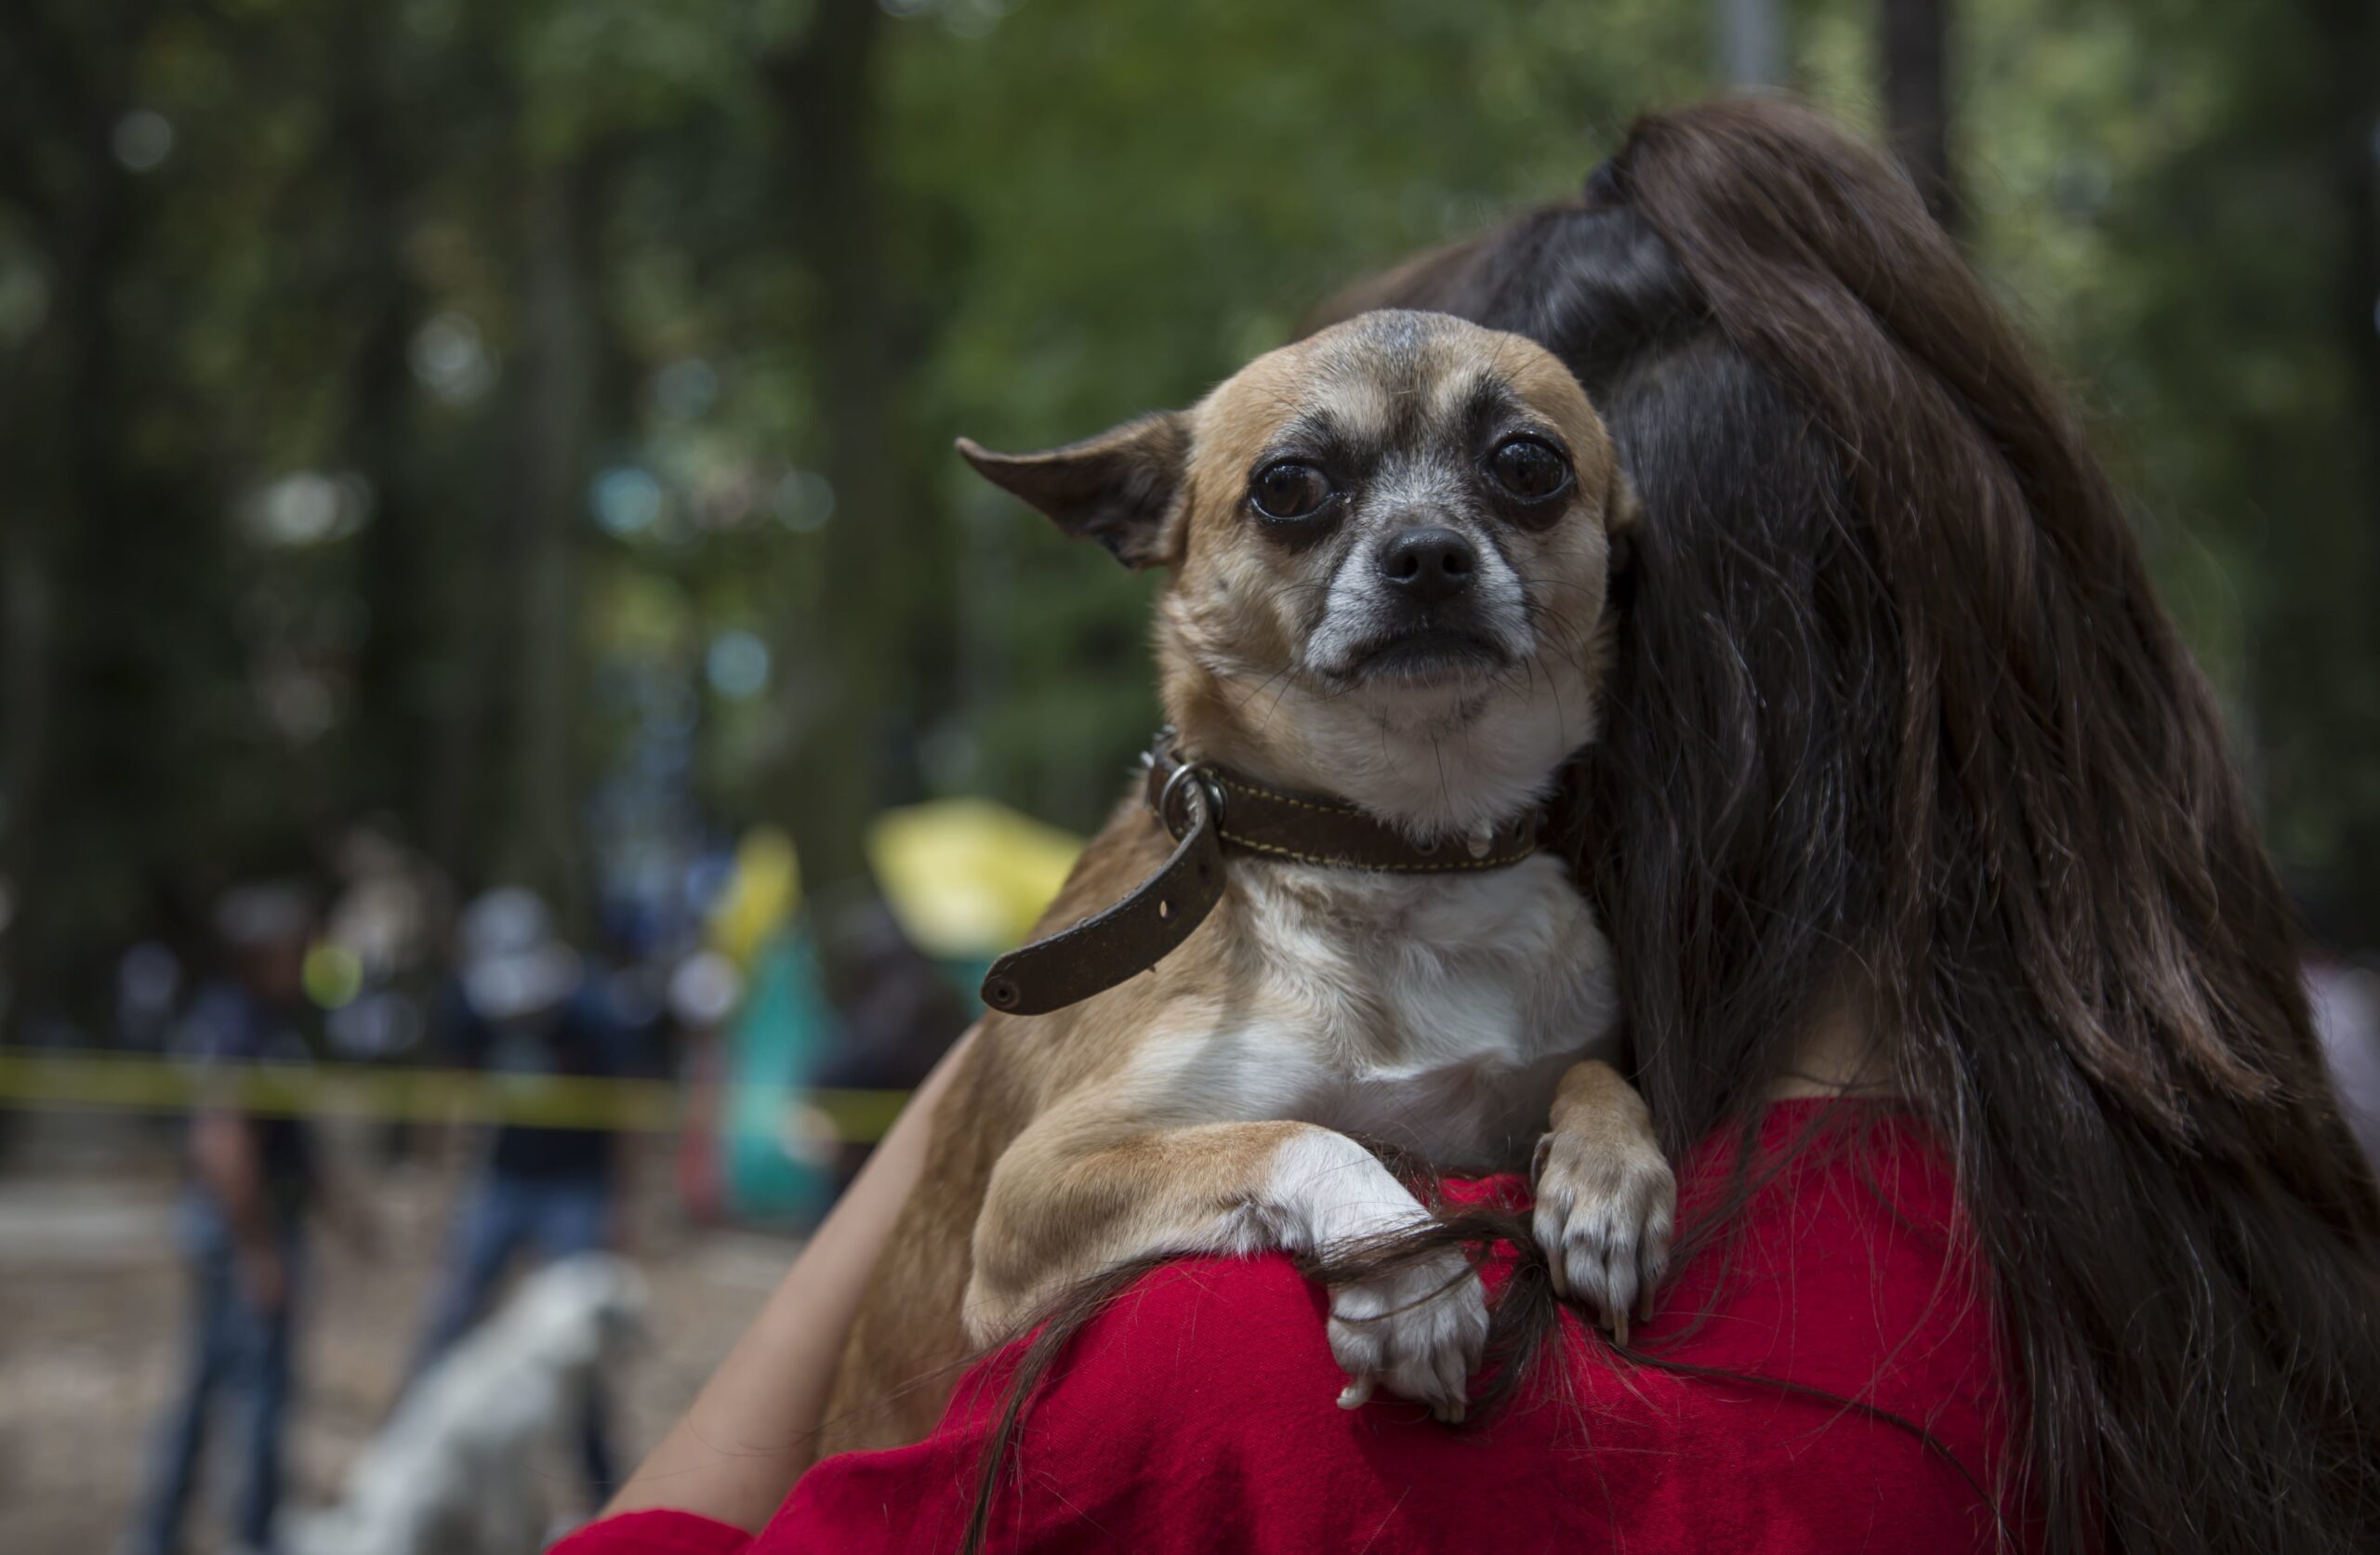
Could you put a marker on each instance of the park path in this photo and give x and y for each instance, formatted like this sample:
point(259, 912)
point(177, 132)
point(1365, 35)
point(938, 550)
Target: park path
point(91, 1292)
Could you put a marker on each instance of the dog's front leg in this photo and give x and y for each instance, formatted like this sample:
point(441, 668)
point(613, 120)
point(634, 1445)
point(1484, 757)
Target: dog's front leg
point(1080, 1192)
point(1605, 1198)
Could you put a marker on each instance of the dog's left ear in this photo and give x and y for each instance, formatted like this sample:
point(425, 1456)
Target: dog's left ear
point(1119, 488)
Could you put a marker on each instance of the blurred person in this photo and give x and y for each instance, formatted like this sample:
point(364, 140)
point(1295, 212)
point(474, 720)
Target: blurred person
point(895, 1014)
point(242, 1221)
point(2344, 991)
point(2346, 1017)
point(148, 990)
point(380, 948)
point(382, 921)
point(523, 1005)
point(705, 992)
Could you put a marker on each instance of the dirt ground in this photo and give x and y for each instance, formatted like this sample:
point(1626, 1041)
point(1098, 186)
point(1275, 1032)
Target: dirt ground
point(92, 1297)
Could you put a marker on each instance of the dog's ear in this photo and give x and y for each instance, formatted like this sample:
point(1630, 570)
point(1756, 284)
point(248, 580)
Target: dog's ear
point(1119, 488)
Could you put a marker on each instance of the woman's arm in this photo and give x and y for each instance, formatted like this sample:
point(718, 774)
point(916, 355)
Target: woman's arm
point(753, 1428)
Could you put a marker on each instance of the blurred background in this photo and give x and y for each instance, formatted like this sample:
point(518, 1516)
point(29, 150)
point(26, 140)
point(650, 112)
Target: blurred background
point(517, 736)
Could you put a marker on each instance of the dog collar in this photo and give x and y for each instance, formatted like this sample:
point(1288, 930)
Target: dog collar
point(1210, 811)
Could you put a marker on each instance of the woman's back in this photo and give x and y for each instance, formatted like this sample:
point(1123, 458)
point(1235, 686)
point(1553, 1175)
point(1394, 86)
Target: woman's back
point(1196, 1412)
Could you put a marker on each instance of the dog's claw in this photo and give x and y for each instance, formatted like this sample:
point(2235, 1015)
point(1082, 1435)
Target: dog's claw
point(1604, 1212)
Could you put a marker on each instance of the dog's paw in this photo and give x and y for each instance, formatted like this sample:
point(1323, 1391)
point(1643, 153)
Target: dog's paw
point(1419, 1332)
point(1605, 1208)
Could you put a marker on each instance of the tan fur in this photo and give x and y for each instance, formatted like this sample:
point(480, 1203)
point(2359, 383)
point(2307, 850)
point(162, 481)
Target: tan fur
point(1202, 1105)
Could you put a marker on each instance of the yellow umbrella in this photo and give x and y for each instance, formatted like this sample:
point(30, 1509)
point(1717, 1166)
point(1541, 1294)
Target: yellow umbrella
point(968, 877)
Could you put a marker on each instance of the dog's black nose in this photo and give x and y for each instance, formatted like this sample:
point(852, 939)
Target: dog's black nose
point(1427, 565)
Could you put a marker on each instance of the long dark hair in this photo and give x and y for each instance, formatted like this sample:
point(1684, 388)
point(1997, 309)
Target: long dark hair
point(1897, 719)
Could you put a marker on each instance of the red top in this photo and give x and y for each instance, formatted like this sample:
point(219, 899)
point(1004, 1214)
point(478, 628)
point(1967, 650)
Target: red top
point(1198, 1414)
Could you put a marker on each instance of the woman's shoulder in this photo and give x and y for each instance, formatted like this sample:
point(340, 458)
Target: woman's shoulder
point(1199, 1411)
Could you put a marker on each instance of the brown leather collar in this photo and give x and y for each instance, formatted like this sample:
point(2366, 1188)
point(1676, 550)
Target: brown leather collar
point(1209, 809)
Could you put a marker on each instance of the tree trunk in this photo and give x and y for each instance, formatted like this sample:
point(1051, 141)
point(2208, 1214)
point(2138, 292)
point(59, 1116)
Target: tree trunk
point(390, 750)
point(64, 404)
point(1914, 48)
point(1751, 38)
point(556, 405)
point(845, 657)
point(2351, 29)
point(28, 640)
point(2350, 33)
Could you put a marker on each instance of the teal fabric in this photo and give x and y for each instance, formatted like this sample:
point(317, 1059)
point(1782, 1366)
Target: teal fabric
point(774, 1048)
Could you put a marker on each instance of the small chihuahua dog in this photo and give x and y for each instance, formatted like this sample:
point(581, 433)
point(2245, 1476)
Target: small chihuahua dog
point(1389, 545)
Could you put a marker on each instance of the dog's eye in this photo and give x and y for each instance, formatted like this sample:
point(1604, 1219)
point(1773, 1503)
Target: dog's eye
point(1289, 490)
point(1529, 468)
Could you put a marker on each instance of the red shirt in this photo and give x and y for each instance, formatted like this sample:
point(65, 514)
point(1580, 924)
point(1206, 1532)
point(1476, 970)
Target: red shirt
point(1198, 1414)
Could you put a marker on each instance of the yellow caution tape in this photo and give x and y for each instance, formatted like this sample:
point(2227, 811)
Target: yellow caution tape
point(34, 1078)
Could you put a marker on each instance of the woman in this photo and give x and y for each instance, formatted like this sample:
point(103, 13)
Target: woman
point(1908, 796)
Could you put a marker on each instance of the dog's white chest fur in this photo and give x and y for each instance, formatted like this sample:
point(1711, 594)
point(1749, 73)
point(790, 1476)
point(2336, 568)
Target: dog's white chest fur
point(1435, 1014)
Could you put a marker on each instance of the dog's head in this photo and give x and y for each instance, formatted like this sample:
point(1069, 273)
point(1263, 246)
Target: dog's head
point(1390, 543)
point(582, 1311)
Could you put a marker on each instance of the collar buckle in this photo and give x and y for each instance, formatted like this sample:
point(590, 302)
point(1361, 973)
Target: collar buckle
point(1204, 784)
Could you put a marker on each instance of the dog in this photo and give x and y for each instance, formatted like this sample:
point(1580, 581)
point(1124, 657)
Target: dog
point(1381, 638)
point(458, 1469)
